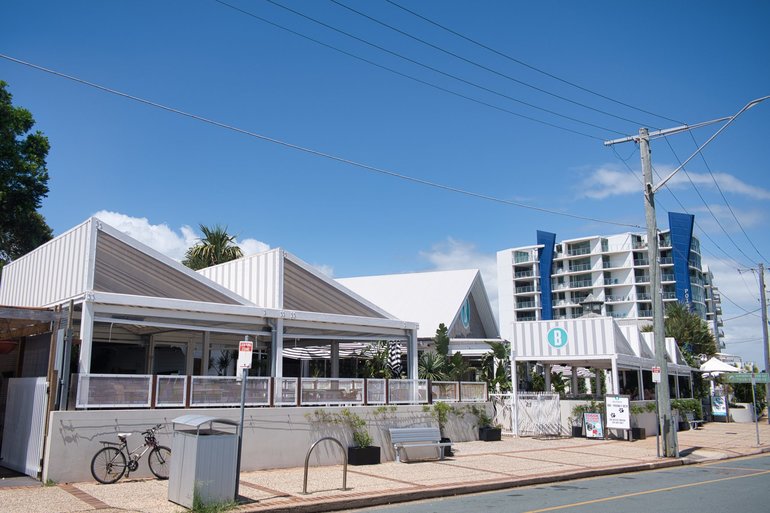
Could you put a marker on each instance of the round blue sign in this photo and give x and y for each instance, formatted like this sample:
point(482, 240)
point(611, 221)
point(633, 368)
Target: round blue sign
point(465, 314)
point(557, 338)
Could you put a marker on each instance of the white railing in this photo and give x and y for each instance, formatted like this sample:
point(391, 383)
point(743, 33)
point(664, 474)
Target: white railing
point(447, 391)
point(171, 391)
point(206, 391)
point(407, 391)
point(331, 391)
point(114, 391)
point(473, 392)
point(285, 391)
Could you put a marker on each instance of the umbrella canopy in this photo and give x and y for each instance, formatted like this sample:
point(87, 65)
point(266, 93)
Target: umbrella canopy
point(716, 365)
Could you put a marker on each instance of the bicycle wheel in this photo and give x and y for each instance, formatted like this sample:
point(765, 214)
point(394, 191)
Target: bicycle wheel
point(108, 465)
point(160, 461)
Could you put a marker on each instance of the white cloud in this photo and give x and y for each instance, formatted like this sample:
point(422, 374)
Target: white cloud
point(453, 255)
point(706, 222)
point(326, 269)
point(165, 240)
point(611, 180)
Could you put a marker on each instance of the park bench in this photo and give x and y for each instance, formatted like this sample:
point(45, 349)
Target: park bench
point(690, 418)
point(403, 438)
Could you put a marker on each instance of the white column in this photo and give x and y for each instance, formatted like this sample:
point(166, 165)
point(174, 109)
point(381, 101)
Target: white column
point(277, 349)
point(411, 354)
point(615, 381)
point(86, 337)
point(574, 381)
point(640, 388)
point(205, 357)
point(335, 357)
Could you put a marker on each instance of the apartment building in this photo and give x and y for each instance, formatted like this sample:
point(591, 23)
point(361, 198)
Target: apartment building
point(552, 280)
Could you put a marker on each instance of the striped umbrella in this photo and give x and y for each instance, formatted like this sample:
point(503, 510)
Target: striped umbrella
point(394, 358)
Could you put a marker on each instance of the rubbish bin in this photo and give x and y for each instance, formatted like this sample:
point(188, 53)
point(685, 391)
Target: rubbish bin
point(204, 460)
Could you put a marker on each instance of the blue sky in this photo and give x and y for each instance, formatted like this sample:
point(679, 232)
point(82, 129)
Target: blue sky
point(161, 174)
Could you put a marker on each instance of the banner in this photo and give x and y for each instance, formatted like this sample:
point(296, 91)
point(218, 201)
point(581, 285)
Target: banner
point(718, 406)
point(593, 424)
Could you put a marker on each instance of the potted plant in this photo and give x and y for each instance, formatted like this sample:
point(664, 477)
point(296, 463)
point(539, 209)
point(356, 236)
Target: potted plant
point(362, 452)
point(440, 411)
point(488, 431)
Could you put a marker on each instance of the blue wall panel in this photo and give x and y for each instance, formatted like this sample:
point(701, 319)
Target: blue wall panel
point(681, 241)
point(545, 256)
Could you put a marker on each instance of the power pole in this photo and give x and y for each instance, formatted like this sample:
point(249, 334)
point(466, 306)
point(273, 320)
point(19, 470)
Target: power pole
point(763, 306)
point(658, 328)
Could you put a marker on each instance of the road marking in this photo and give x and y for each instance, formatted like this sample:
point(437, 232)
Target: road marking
point(646, 492)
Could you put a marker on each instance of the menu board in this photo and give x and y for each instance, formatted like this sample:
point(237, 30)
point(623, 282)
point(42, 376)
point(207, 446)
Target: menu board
point(593, 424)
point(618, 412)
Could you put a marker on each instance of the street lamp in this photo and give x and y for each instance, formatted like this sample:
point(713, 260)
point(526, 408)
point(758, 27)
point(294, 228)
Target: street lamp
point(668, 432)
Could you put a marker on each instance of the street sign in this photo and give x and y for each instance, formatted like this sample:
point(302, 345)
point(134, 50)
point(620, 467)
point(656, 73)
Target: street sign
point(656, 374)
point(245, 349)
point(746, 377)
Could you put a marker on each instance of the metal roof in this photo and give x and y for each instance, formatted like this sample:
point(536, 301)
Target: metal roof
point(430, 298)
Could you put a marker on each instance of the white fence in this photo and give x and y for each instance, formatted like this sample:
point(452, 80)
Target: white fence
point(23, 429)
point(98, 391)
point(538, 413)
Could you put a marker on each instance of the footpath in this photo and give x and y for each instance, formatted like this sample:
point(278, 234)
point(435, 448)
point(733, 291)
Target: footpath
point(475, 467)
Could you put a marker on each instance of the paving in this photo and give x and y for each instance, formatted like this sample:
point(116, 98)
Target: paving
point(475, 467)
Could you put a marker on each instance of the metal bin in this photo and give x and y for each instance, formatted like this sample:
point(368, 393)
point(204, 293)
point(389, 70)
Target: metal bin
point(204, 460)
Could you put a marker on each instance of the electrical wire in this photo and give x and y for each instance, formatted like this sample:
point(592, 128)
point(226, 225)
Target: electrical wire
point(716, 183)
point(481, 66)
point(742, 315)
point(404, 75)
point(533, 68)
point(436, 70)
point(310, 151)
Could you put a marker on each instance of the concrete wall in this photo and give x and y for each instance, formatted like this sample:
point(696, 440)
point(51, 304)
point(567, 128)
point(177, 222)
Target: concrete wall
point(273, 437)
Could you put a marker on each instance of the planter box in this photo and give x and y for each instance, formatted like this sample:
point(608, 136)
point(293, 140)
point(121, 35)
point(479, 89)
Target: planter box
point(490, 434)
point(447, 450)
point(577, 431)
point(638, 433)
point(364, 455)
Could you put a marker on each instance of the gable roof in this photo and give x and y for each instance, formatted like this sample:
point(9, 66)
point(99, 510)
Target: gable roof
point(94, 256)
point(430, 298)
point(277, 279)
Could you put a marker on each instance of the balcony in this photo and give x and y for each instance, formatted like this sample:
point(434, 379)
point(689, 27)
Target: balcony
point(667, 277)
point(581, 267)
point(615, 299)
point(523, 274)
point(643, 278)
point(610, 281)
point(581, 284)
point(526, 304)
point(666, 261)
point(618, 315)
point(644, 297)
point(645, 313)
point(522, 290)
point(638, 262)
point(578, 252)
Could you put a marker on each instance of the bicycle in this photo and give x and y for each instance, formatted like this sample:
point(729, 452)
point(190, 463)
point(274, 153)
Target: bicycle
point(112, 461)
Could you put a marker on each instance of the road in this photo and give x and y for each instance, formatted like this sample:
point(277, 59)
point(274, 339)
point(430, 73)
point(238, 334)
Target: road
point(732, 486)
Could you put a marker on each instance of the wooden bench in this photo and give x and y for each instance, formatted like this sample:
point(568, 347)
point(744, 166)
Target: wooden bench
point(403, 438)
point(690, 418)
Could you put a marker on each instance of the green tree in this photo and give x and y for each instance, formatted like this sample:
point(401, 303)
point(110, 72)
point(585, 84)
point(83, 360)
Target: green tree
point(691, 333)
point(431, 366)
point(441, 340)
point(495, 369)
point(216, 247)
point(23, 181)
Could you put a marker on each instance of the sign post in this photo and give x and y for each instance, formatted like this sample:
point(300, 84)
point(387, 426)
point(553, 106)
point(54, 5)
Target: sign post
point(245, 351)
point(656, 380)
point(753, 378)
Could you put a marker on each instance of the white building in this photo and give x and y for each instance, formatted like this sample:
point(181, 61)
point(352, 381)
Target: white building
point(550, 280)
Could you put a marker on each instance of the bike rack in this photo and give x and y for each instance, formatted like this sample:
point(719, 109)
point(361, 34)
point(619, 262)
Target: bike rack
point(344, 468)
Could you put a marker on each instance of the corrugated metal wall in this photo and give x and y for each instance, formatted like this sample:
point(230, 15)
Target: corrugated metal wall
point(23, 437)
point(257, 278)
point(49, 274)
point(585, 337)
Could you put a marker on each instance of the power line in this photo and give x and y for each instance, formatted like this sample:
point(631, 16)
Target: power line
point(310, 151)
point(436, 70)
point(481, 66)
point(742, 315)
point(533, 68)
point(404, 75)
point(697, 190)
point(716, 183)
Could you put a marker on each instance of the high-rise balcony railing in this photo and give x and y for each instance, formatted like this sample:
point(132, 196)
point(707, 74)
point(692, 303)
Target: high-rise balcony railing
point(523, 274)
point(580, 267)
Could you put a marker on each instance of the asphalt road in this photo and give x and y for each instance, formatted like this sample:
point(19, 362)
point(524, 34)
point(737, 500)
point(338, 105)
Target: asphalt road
point(734, 486)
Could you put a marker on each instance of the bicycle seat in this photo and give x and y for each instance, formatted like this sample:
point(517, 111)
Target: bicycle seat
point(124, 435)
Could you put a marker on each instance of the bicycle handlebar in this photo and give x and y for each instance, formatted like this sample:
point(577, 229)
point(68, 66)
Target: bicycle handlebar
point(152, 430)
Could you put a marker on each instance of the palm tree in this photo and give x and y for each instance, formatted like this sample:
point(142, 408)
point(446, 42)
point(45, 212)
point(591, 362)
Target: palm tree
point(431, 366)
point(216, 247)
